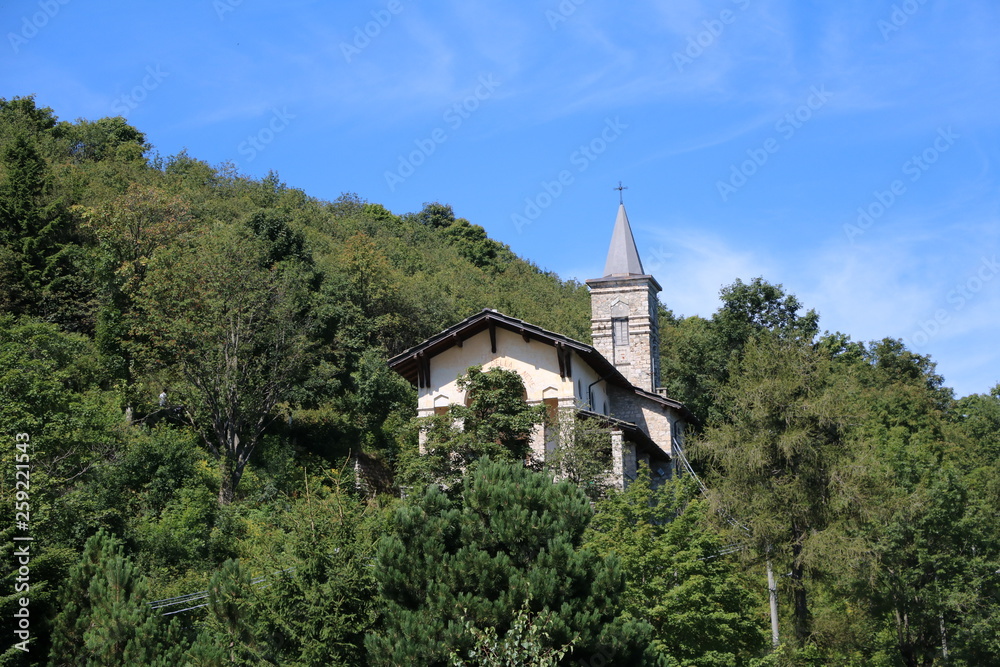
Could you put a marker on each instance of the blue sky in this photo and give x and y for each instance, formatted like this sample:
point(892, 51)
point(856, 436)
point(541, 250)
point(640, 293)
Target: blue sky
point(843, 149)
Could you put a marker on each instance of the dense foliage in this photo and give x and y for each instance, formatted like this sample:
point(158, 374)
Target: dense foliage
point(223, 469)
point(507, 539)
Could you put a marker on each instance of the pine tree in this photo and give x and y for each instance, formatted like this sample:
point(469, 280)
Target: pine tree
point(105, 619)
point(318, 600)
point(231, 606)
point(510, 538)
point(33, 226)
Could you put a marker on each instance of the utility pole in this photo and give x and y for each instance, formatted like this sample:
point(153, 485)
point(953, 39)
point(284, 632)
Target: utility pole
point(772, 590)
point(772, 587)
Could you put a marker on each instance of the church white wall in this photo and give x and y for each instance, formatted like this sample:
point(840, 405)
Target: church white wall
point(534, 361)
point(583, 377)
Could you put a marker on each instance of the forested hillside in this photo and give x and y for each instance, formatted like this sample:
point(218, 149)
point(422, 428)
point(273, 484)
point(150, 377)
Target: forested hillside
point(191, 360)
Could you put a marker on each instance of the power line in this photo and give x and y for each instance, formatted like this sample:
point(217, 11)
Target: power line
point(200, 595)
point(704, 489)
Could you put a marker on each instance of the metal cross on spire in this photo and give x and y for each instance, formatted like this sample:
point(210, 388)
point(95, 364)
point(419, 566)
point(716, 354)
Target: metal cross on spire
point(619, 189)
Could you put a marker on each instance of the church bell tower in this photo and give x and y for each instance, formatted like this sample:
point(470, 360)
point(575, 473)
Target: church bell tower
point(623, 305)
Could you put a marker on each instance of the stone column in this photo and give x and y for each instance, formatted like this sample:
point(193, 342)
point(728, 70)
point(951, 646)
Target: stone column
point(622, 460)
point(617, 462)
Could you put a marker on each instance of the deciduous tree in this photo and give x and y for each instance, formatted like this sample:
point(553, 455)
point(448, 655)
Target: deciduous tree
point(681, 575)
point(234, 331)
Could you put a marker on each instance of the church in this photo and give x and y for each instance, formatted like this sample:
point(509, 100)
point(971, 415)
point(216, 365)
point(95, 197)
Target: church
point(614, 380)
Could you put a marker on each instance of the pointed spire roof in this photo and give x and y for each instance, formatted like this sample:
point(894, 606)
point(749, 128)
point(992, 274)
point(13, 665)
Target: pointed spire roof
point(623, 257)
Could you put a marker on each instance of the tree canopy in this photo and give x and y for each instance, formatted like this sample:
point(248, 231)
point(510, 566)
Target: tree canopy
point(283, 505)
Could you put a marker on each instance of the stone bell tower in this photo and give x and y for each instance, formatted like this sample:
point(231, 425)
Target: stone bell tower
point(623, 307)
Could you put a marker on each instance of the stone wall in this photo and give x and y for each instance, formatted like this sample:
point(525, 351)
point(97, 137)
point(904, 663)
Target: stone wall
point(623, 461)
point(634, 298)
point(661, 422)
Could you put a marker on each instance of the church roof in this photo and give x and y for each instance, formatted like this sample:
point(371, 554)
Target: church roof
point(407, 363)
point(411, 363)
point(632, 432)
point(623, 257)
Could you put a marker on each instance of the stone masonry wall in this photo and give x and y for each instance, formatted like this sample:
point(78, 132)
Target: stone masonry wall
point(634, 298)
point(660, 422)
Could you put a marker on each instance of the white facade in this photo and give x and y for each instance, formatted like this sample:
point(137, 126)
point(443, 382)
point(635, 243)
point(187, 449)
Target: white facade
point(534, 361)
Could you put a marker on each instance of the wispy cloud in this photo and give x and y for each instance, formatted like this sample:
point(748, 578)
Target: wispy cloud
point(693, 265)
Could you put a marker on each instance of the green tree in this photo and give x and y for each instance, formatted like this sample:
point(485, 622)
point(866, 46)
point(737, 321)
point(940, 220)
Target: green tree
point(104, 618)
point(36, 230)
point(234, 330)
point(582, 454)
point(129, 230)
point(934, 565)
point(510, 538)
point(51, 389)
point(361, 295)
point(21, 115)
point(748, 309)
point(284, 242)
point(522, 646)
point(102, 139)
point(382, 403)
point(318, 597)
point(495, 422)
point(775, 459)
point(978, 420)
point(680, 574)
point(924, 570)
point(692, 363)
point(435, 215)
point(230, 604)
point(473, 244)
point(698, 356)
point(495, 410)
